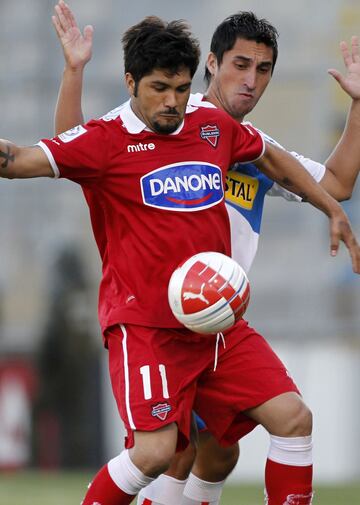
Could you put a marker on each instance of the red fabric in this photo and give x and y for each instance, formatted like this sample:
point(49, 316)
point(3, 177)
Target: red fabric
point(143, 360)
point(104, 491)
point(248, 374)
point(151, 208)
point(288, 485)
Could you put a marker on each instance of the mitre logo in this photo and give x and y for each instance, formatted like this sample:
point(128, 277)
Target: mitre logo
point(136, 148)
point(210, 133)
point(186, 186)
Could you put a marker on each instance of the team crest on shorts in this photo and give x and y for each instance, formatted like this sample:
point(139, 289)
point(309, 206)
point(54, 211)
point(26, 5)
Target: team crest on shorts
point(210, 133)
point(160, 410)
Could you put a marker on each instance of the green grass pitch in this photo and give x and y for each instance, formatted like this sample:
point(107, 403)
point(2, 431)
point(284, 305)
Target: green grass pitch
point(68, 488)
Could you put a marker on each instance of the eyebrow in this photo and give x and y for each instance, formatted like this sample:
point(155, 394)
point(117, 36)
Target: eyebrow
point(162, 83)
point(249, 60)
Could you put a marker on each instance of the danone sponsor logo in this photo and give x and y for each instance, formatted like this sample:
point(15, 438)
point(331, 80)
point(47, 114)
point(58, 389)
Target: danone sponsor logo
point(187, 186)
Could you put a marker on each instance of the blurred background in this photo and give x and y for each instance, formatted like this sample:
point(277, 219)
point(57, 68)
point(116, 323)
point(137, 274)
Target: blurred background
point(56, 408)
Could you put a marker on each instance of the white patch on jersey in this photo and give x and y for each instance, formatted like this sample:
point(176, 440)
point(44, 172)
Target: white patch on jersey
point(114, 113)
point(72, 134)
point(244, 240)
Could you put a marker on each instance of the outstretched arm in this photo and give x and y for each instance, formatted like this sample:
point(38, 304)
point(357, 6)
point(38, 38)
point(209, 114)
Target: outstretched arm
point(77, 49)
point(343, 164)
point(280, 166)
point(23, 162)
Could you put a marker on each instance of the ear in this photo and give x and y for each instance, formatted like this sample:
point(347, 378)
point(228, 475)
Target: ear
point(211, 63)
point(130, 83)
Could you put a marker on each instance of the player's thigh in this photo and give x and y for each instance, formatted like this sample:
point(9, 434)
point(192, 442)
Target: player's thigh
point(248, 374)
point(285, 415)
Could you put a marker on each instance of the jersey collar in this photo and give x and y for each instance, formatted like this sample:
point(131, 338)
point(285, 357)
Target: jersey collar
point(197, 100)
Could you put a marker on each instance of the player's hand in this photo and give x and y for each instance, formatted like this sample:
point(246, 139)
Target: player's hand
point(340, 230)
point(76, 46)
point(350, 82)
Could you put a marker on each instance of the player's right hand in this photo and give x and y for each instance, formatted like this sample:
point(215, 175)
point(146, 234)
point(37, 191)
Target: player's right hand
point(77, 47)
point(340, 230)
point(350, 82)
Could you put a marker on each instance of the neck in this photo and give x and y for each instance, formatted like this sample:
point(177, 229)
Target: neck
point(213, 96)
point(136, 110)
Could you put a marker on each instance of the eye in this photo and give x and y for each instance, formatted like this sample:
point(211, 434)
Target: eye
point(183, 89)
point(159, 87)
point(264, 70)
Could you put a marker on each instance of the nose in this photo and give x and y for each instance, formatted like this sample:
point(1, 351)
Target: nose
point(170, 99)
point(250, 79)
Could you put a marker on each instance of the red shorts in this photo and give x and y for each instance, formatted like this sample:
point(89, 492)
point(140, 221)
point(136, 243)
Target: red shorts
point(159, 375)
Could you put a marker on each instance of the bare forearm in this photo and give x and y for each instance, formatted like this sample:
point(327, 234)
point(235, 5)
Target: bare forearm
point(8, 153)
point(23, 162)
point(344, 162)
point(289, 173)
point(68, 111)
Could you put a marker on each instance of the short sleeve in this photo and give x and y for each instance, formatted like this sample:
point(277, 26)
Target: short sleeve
point(79, 154)
point(248, 143)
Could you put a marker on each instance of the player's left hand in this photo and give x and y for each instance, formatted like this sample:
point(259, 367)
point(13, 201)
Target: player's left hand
point(350, 82)
point(340, 230)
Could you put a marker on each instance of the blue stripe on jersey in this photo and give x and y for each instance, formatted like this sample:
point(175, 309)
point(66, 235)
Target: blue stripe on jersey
point(246, 188)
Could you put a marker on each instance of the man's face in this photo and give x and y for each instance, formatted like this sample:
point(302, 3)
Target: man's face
point(160, 98)
point(239, 81)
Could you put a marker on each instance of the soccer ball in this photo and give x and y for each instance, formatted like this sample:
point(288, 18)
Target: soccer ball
point(208, 292)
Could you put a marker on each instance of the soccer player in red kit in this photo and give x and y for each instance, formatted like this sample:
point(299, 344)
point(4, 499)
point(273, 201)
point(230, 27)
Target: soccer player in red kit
point(242, 58)
point(158, 177)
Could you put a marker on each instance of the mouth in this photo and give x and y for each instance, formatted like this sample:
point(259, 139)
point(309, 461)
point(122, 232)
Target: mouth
point(169, 116)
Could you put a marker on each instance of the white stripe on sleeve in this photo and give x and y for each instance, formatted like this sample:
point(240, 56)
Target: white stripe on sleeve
point(51, 159)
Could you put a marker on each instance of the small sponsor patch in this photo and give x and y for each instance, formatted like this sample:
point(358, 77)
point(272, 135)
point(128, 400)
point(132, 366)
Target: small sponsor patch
point(241, 189)
point(72, 134)
point(299, 499)
point(160, 410)
point(211, 133)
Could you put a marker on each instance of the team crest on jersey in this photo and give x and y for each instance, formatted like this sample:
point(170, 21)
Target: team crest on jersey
point(210, 133)
point(160, 410)
point(186, 186)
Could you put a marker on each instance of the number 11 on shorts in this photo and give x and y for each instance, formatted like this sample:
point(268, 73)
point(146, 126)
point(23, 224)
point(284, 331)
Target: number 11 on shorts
point(145, 373)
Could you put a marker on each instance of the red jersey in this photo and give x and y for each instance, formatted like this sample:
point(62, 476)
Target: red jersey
point(154, 200)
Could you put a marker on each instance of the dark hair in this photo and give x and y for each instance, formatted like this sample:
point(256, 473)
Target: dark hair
point(243, 25)
point(154, 43)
